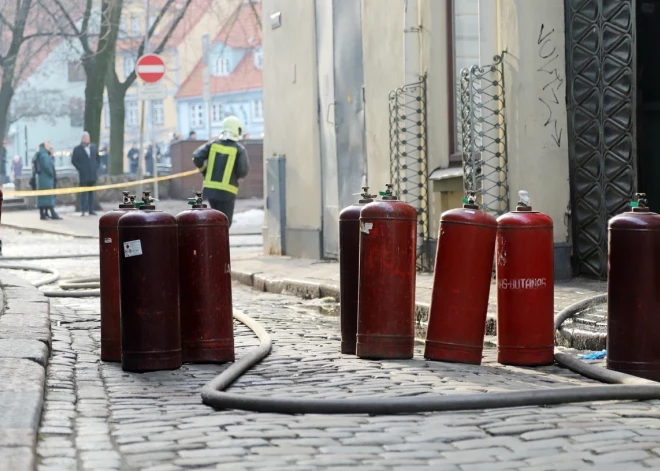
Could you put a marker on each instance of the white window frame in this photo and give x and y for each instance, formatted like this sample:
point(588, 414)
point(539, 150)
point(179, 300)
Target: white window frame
point(259, 58)
point(222, 66)
point(257, 107)
point(136, 27)
point(157, 112)
point(132, 114)
point(217, 114)
point(129, 65)
point(197, 115)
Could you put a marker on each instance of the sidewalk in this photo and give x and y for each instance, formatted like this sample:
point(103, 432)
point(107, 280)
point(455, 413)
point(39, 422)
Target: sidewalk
point(311, 279)
point(248, 218)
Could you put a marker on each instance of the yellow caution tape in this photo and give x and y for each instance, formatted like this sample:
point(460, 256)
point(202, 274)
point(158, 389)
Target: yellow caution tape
point(84, 189)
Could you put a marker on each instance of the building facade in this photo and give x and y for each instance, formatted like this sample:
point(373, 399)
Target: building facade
point(448, 96)
point(228, 81)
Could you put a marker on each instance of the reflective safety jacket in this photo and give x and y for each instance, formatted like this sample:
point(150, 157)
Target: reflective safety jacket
point(222, 162)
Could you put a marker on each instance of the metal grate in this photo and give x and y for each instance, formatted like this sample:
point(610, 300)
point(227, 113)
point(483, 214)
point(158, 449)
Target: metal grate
point(408, 159)
point(483, 135)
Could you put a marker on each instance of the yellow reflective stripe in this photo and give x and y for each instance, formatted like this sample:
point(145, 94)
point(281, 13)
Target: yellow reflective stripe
point(221, 186)
point(224, 185)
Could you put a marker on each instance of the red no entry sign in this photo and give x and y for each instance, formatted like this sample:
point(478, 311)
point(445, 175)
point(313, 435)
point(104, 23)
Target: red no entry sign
point(150, 68)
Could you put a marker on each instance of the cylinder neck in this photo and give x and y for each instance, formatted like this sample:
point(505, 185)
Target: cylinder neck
point(470, 206)
point(126, 206)
point(199, 206)
point(523, 208)
point(641, 209)
point(148, 207)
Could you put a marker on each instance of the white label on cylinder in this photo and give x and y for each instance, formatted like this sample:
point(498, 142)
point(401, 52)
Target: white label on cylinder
point(522, 283)
point(108, 240)
point(132, 248)
point(366, 227)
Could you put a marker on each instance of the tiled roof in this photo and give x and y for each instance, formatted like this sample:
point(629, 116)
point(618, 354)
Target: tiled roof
point(241, 31)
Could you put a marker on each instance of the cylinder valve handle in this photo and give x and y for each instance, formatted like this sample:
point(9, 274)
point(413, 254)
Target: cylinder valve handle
point(524, 202)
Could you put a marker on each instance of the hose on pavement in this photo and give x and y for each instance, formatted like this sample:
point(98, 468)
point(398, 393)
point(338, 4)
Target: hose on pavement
point(624, 387)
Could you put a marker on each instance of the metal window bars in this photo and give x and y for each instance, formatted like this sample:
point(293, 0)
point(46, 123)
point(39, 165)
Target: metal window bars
point(408, 159)
point(482, 128)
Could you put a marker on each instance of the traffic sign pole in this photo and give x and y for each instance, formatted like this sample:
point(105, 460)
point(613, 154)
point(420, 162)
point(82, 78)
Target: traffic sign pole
point(150, 69)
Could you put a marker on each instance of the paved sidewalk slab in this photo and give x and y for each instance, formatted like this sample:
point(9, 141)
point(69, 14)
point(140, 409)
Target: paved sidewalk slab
point(310, 279)
point(25, 341)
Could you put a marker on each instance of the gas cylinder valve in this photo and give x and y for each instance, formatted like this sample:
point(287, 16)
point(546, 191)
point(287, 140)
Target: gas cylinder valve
point(126, 197)
point(471, 201)
point(198, 200)
point(524, 203)
point(641, 202)
point(387, 194)
point(146, 202)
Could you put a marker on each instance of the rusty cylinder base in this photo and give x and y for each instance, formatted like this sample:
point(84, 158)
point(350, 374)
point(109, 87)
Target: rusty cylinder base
point(453, 353)
point(385, 347)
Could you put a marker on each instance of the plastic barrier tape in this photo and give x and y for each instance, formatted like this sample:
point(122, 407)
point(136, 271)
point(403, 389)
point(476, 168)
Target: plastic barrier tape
point(84, 189)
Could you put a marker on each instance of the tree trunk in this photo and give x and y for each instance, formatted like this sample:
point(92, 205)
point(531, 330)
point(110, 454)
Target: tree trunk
point(94, 87)
point(6, 94)
point(117, 117)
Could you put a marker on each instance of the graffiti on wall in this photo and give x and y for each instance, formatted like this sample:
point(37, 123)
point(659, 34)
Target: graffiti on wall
point(552, 82)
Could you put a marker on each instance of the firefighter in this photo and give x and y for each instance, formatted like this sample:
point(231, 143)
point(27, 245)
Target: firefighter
point(223, 162)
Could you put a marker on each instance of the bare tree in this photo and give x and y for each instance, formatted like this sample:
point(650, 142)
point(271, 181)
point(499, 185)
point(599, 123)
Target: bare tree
point(15, 35)
point(117, 89)
point(97, 48)
point(50, 105)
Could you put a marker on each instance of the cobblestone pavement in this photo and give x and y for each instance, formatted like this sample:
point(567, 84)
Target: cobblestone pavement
point(97, 417)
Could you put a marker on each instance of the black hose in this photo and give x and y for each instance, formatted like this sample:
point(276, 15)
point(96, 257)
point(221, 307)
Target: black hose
point(626, 387)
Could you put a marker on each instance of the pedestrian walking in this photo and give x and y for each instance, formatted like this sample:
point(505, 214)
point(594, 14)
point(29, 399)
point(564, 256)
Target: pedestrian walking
point(43, 166)
point(223, 162)
point(16, 168)
point(86, 160)
point(150, 160)
point(133, 158)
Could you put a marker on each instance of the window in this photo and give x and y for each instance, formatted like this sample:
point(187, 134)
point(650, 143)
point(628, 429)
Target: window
point(222, 66)
point(122, 29)
point(131, 113)
point(197, 116)
point(157, 112)
point(257, 110)
point(259, 58)
point(77, 112)
point(129, 65)
point(135, 26)
point(76, 72)
point(217, 113)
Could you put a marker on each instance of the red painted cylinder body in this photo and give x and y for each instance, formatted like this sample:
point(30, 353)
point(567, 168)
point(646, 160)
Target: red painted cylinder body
point(386, 293)
point(525, 288)
point(109, 270)
point(207, 326)
point(633, 294)
point(149, 283)
point(349, 269)
point(461, 285)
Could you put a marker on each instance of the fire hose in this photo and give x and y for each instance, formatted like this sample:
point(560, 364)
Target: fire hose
point(622, 386)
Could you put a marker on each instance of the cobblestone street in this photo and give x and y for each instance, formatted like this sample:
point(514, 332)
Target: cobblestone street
point(97, 417)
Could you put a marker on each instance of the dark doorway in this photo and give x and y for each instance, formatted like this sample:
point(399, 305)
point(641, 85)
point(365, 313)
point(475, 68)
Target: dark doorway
point(648, 100)
point(600, 68)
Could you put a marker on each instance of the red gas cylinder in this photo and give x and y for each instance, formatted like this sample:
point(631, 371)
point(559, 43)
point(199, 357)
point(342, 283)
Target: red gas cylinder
point(386, 293)
point(349, 268)
point(525, 287)
point(149, 283)
point(461, 284)
point(633, 287)
point(207, 326)
point(109, 269)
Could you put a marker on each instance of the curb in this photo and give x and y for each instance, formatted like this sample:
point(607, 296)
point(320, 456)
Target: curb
point(571, 336)
point(25, 347)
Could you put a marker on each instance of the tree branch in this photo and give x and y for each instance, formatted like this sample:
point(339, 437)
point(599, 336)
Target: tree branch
point(131, 78)
point(6, 22)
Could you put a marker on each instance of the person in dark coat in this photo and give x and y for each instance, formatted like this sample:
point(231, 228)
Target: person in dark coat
point(44, 169)
point(149, 159)
point(133, 158)
point(86, 160)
